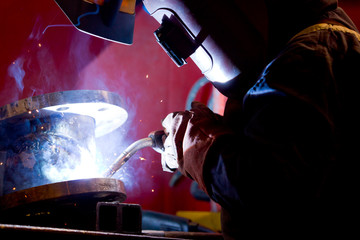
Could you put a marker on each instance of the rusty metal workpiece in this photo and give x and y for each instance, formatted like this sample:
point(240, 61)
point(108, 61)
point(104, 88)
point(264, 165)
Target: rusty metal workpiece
point(99, 189)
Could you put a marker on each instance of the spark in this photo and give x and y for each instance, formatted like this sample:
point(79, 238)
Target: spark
point(147, 76)
point(161, 100)
point(14, 188)
point(152, 190)
point(39, 45)
point(29, 112)
point(142, 159)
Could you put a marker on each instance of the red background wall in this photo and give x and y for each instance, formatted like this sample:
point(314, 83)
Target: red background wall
point(62, 58)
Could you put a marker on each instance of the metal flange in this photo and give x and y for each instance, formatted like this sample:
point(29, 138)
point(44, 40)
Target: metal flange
point(107, 108)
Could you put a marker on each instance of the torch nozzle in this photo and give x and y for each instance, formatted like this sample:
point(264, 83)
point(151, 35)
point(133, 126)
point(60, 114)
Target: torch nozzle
point(154, 140)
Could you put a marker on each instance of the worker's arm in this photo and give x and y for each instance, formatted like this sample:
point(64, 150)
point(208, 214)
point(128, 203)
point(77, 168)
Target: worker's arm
point(277, 146)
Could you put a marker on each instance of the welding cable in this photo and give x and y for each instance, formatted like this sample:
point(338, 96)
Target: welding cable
point(194, 91)
point(87, 14)
point(56, 25)
point(78, 20)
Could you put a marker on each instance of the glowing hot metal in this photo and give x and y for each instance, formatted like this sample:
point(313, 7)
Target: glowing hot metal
point(51, 137)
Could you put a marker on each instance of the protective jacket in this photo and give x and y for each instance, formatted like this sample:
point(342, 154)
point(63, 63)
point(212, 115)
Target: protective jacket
point(287, 162)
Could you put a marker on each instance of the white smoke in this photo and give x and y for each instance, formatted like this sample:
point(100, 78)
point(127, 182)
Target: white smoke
point(107, 148)
point(16, 71)
point(73, 167)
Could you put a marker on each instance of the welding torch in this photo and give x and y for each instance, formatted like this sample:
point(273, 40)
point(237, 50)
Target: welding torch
point(155, 140)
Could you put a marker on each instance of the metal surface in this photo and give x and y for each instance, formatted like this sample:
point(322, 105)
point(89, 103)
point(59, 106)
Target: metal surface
point(118, 217)
point(105, 107)
point(46, 233)
point(99, 189)
point(51, 138)
point(70, 204)
point(42, 148)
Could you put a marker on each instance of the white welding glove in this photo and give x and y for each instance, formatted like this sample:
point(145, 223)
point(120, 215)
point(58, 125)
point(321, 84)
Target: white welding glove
point(190, 134)
point(172, 124)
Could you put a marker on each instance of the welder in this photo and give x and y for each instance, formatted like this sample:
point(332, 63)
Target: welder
point(282, 160)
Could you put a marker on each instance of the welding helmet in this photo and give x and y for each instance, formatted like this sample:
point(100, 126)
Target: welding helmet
point(224, 38)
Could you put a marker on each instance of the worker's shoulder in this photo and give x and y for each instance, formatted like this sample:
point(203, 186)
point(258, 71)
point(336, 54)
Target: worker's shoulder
point(315, 51)
point(324, 38)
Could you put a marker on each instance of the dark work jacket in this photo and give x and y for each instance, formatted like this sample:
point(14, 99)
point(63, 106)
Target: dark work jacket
point(290, 168)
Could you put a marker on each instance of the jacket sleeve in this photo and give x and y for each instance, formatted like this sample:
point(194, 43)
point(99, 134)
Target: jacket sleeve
point(281, 149)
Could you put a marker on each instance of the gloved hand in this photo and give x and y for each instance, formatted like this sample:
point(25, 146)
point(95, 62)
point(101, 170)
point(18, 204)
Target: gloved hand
point(190, 135)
